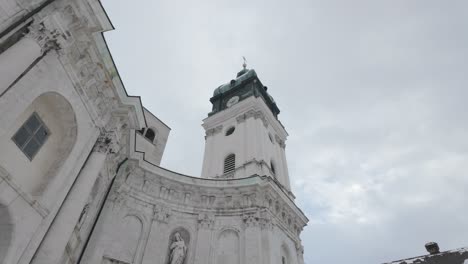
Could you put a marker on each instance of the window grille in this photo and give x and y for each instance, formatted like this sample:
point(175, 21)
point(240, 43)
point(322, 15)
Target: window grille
point(230, 163)
point(31, 136)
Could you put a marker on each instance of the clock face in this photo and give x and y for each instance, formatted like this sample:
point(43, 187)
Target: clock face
point(232, 101)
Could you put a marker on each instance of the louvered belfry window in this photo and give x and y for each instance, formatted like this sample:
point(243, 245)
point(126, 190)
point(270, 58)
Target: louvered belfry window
point(230, 163)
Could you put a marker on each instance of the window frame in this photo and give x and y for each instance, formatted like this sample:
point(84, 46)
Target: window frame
point(32, 135)
point(143, 132)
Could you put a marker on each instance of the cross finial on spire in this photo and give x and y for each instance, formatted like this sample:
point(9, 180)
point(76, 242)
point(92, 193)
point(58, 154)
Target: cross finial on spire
point(245, 62)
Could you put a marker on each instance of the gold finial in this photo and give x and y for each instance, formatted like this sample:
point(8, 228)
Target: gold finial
point(245, 62)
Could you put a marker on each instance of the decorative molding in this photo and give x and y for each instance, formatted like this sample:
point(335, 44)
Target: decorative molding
point(229, 175)
point(260, 115)
point(161, 213)
point(252, 113)
point(250, 219)
point(47, 39)
point(206, 220)
point(280, 141)
point(214, 131)
point(260, 219)
point(106, 143)
point(240, 119)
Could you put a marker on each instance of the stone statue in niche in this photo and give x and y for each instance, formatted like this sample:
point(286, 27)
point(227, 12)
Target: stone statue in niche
point(178, 247)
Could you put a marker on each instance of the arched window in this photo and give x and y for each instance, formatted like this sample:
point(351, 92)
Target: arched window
point(230, 163)
point(230, 131)
point(150, 134)
point(273, 169)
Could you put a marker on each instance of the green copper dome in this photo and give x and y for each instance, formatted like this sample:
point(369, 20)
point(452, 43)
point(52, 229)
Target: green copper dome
point(241, 76)
point(246, 85)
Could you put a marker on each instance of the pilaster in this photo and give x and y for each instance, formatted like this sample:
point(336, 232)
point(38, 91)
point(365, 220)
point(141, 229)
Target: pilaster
point(204, 245)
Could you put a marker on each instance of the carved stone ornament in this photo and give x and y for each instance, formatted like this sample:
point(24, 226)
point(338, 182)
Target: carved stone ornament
point(249, 114)
point(161, 213)
point(250, 219)
point(280, 141)
point(214, 131)
point(177, 249)
point(252, 113)
point(299, 248)
point(179, 242)
point(106, 143)
point(47, 39)
point(240, 119)
point(260, 115)
point(265, 221)
point(206, 220)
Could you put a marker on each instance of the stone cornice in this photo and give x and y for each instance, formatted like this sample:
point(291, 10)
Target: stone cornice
point(214, 131)
point(221, 196)
point(255, 104)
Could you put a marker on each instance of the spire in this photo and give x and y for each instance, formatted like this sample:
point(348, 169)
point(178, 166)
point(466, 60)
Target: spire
point(245, 68)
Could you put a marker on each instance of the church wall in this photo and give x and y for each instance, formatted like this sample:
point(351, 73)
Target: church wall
point(13, 10)
point(283, 246)
point(39, 196)
point(50, 208)
point(218, 220)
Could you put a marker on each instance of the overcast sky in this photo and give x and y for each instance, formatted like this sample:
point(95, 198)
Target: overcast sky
point(374, 95)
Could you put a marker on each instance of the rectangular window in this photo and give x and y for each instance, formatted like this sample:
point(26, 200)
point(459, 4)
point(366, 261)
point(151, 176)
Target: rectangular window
point(31, 136)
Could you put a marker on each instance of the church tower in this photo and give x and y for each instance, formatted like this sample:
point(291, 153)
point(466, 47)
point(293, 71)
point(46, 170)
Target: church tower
point(243, 134)
point(241, 211)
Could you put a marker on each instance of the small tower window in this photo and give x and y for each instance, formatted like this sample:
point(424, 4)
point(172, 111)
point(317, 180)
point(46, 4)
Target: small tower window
point(273, 169)
point(150, 134)
point(229, 163)
point(31, 136)
point(271, 137)
point(230, 131)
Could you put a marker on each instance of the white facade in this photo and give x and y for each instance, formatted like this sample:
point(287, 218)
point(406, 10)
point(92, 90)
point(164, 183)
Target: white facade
point(94, 192)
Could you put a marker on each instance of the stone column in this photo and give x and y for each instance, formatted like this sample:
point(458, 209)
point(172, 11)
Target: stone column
point(205, 226)
point(53, 245)
point(253, 254)
point(15, 60)
point(155, 250)
point(266, 227)
point(300, 253)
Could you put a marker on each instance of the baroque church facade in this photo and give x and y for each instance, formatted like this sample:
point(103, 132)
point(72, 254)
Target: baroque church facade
point(80, 174)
